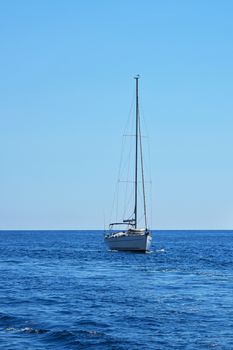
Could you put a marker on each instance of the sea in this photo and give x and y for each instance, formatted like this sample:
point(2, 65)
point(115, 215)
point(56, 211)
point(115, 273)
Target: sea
point(65, 290)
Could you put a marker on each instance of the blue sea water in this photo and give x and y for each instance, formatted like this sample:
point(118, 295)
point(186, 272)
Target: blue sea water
point(65, 290)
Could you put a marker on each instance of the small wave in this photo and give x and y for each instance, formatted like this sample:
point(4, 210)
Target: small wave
point(162, 250)
point(42, 250)
point(89, 339)
point(59, 334)
point(5, 318)
point(149, 252)
point(62, 335)
point(84, 334)
point(26, 330)
point(95, 333)
point(11, 261)
point(90, 333)
point(15, 324)
point(91, 324)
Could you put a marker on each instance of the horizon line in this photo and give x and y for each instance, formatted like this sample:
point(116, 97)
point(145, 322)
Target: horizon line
point(75, 230)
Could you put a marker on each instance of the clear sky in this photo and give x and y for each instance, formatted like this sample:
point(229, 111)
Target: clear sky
point(66, 86)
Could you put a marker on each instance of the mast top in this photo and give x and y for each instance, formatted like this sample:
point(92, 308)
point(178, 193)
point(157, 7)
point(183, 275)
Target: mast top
point(137, 77)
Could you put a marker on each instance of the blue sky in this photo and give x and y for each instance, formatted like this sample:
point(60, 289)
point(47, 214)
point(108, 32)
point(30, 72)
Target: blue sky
point(66, 87)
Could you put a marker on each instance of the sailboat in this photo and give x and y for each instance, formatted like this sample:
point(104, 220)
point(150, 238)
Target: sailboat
point(134, 237)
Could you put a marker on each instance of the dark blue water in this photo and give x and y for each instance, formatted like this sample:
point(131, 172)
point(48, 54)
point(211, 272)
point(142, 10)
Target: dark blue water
point(64, 290)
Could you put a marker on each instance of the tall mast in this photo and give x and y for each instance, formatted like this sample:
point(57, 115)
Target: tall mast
point(136, 153)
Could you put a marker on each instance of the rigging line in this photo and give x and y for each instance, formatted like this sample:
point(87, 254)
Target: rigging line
point(127, 184)
point(126, 162)
point(121, 161)
point(143, 185)
point(132, 182)
point(129, 168)
point(148, 140)
point(128, 206)
point(123, 139)
point(141, 203)
point(133, 135)
point(148, 165)
point(113, 204)
point(116, 193)
point(151, 195)
point(122, 165)
point(129, 114)
point(143, 119)
point(126, 169)
point(141, 217)
point(117, 201)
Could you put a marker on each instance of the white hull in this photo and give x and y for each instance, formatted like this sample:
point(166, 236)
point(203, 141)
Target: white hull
point(129, 242)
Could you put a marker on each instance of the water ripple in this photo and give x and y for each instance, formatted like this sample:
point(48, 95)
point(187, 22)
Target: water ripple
point(64, 290)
